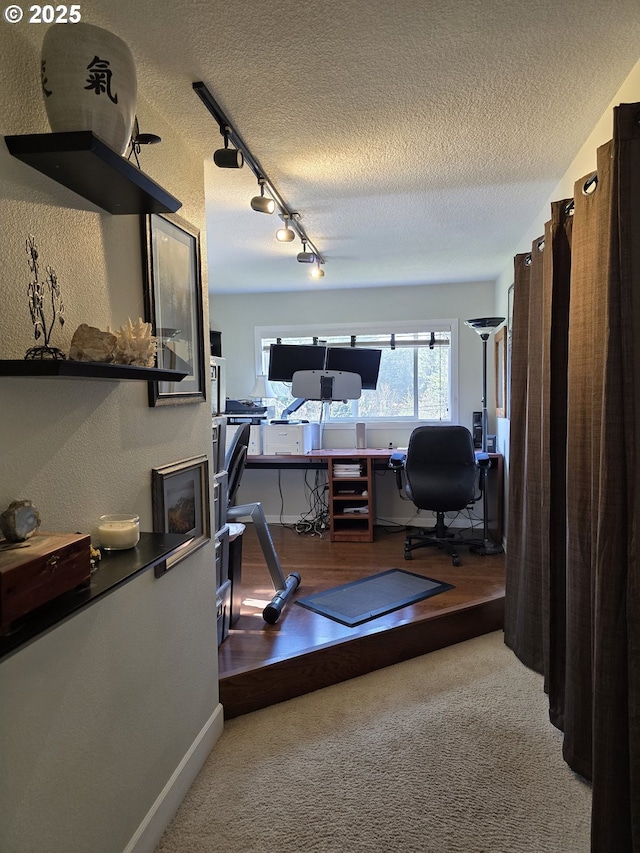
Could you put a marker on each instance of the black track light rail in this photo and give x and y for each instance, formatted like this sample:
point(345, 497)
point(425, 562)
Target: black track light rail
point(254, 164)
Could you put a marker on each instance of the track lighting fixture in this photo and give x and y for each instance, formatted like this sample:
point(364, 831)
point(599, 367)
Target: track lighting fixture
point(262, 203)
point(305, 257)
point(285, 234)
point(228, 158)
point(317, 271)
point(233, 158)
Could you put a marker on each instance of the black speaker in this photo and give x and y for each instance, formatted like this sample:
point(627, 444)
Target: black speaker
point(215, 341)
point(476, 430)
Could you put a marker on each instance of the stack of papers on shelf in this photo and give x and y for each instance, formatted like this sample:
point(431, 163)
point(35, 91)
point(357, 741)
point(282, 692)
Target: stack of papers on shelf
point(347, 469)
point(361, 510)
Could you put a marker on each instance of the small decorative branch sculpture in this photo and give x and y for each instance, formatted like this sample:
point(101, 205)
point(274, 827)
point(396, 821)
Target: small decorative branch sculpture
point(37, 292)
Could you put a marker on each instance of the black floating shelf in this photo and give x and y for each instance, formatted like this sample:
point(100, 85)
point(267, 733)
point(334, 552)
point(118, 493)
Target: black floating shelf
point(85, 164)
point(86, 370)
point(115, 569)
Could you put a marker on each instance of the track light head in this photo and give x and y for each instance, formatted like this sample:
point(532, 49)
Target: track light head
point(228, 158)
point(317, 271)
point(305, 257)
point(262, 203)
point(285, 234)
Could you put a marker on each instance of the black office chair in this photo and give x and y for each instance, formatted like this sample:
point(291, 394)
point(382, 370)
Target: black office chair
point(440, 472)
point(235, 461)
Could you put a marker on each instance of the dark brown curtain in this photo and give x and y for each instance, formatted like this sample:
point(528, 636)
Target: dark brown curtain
point(556, 285)
point(534, 620)
point(523, 611)
point(572, 591)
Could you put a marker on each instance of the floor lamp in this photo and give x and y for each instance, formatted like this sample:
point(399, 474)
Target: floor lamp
point(485, 326)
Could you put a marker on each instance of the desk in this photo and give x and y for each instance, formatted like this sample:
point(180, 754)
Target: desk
point(348, 492)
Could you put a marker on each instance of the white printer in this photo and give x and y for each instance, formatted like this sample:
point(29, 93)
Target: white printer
point(290, 439)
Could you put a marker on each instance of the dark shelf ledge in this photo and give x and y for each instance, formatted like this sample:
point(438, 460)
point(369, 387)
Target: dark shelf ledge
point(82, 162)
point(115, 569)
point(86, 370)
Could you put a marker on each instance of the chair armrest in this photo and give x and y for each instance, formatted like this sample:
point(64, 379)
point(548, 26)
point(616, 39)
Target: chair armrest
point(396, 460)
point(396, 463)
point(483, 460)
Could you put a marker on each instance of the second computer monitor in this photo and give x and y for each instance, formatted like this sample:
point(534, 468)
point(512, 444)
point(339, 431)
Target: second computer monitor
point(365, 362)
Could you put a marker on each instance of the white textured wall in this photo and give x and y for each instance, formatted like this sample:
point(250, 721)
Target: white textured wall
point(97, 714)
point(582, 165)
point(237, 317)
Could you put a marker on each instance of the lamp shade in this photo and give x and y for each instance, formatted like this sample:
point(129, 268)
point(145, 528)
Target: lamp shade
point(262, 389)
point(484, 325)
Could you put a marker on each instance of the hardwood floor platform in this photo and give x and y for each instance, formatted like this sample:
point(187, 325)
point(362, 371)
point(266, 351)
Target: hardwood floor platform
point(261, 664)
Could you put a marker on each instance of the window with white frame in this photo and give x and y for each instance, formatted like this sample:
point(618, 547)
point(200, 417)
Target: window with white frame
point(418, 370)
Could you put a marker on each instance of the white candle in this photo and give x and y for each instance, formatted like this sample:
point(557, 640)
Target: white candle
point(117, 532)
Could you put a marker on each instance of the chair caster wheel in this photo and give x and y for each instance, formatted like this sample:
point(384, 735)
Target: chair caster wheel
point(407, 555)
point(456, 562)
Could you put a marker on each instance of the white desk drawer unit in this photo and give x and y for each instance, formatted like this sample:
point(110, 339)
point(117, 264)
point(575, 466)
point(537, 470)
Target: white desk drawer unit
point(290, 439)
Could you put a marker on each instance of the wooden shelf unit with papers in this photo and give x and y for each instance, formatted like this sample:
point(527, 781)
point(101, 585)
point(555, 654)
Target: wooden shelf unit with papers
point(348, 493)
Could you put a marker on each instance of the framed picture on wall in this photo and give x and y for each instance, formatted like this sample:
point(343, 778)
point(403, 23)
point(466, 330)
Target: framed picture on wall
point(180, 500)
point(174, 306)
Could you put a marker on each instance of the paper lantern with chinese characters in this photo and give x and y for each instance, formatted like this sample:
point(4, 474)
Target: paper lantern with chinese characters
point(88, 81)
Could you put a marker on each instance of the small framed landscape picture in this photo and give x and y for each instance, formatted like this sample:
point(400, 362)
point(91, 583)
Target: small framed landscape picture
point(180, 496)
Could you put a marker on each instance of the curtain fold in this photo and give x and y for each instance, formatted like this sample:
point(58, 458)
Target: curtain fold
point(572, 607)
point(615, 814)
point(587, 351)
point(523, 602)
point(628, 236)
point(556, 295)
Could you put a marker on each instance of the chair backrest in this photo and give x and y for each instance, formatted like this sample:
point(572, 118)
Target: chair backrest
point(440, 468)
point(235, 459)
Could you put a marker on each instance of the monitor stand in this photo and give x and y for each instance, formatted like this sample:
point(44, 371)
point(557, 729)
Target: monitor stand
point(300, 401)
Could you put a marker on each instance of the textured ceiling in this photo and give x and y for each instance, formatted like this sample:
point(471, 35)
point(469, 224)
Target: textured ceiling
point(418, 138)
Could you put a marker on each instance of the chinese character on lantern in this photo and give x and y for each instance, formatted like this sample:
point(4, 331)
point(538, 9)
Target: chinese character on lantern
point(99, 78)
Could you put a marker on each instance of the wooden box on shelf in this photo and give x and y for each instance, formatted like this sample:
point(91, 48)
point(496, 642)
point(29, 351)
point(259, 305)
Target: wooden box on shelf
point(34, 572)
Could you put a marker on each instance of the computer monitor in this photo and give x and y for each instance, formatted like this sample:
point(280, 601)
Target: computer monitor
point(286, 359)
point(365, 362)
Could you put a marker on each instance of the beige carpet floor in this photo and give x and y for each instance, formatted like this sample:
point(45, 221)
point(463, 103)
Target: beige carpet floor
point(451, 752)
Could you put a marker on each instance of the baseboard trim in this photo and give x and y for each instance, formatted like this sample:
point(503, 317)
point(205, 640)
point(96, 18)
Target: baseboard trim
point(145, 839)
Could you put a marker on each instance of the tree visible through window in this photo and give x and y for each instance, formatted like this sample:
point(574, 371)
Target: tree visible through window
point(415, 380)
